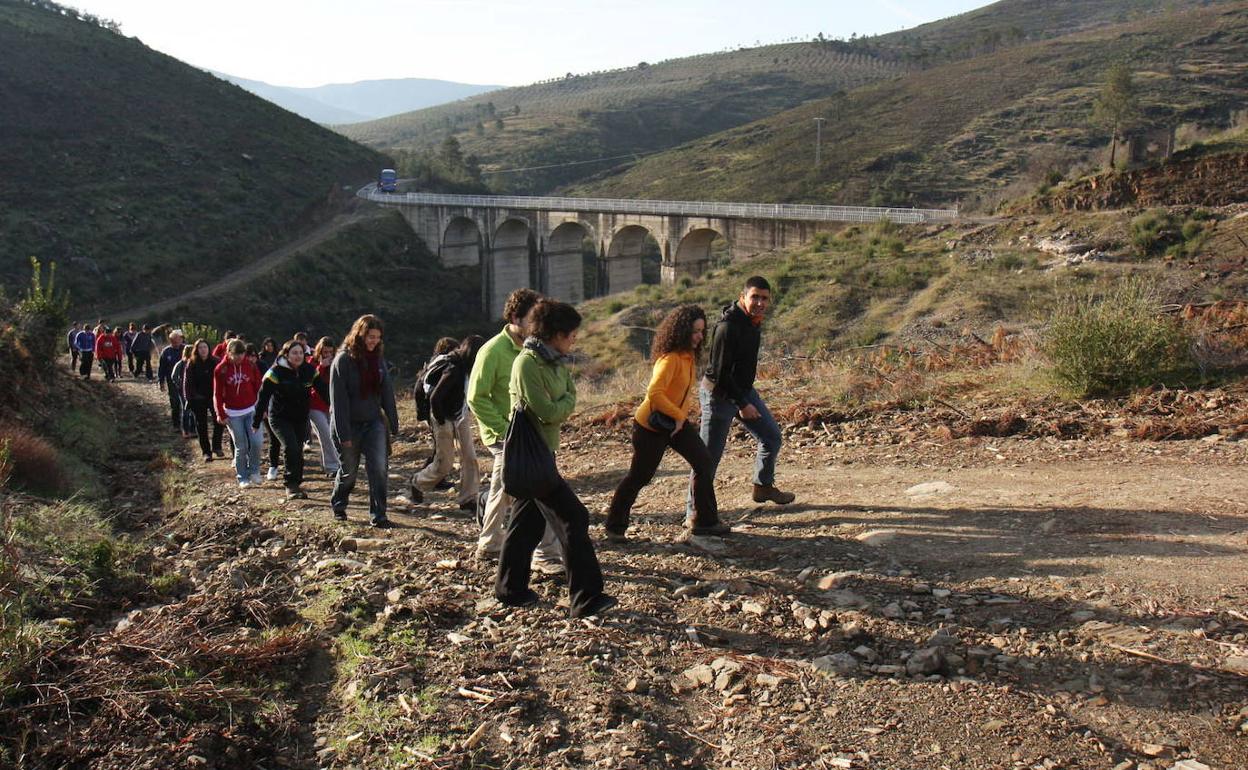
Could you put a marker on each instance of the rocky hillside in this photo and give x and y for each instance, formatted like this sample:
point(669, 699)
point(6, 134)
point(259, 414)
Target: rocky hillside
point(973, 130)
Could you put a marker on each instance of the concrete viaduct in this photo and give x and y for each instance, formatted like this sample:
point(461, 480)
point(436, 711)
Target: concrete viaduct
point(537, 241)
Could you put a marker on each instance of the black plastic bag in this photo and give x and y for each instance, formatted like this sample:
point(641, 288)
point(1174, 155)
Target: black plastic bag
point(529, 470)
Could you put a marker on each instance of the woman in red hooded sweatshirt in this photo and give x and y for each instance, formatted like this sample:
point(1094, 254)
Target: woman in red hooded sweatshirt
point(108, 351)
point(235, 390)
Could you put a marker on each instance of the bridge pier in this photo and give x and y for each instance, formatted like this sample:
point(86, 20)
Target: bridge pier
point(537, 242)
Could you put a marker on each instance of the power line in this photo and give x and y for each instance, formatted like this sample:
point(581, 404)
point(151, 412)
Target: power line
point(570, 163)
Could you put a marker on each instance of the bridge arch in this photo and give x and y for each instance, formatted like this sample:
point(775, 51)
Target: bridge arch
point(461, 243)
point(631, 251)
point(693, 254)
point(510, 264)
point(568, 252)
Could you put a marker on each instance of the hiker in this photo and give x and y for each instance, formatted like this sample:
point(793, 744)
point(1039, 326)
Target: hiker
point(542, 383)
point(420, 395)
point(141, 346)
point(449, 419)
point(85, 343)
point(235, 387)
point(662, 421)
point(73, 348)
point(362, 409)
point(285, 394)
point(127, 339)
point(219, 351)
point(197, 390)
point(108, 352)
point(268, 354)
point(177, 383)
point(727, 392)
point(255, 356)
point(169, 357)
point(318, 407)
point(490, 402)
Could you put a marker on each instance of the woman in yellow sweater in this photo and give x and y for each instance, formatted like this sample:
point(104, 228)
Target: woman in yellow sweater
point(663, 421)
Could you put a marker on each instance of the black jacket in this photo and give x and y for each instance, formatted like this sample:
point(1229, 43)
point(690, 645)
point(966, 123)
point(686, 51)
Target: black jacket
point(197, 381)
point(448, 389)
point(733, 364)
point(287, 392)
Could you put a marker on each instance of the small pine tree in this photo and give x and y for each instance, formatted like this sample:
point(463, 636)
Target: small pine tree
point(1117, 106)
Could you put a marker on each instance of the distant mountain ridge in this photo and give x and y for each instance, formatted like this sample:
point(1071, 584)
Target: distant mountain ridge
point(345, 103)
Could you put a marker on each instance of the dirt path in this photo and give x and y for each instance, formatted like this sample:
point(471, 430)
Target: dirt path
point(252, 269)
point(994, 604)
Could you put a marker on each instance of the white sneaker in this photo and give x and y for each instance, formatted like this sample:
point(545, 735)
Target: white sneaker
point(273, 474)
point(256, 480)
point(244, 484)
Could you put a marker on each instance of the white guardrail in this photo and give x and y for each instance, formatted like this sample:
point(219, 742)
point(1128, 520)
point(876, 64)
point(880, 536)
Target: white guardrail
point(675, 208)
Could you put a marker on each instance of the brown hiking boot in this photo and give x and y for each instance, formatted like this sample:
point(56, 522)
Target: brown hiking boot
point(766, 494)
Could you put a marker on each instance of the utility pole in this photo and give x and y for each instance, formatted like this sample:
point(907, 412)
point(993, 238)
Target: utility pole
point(818, 140)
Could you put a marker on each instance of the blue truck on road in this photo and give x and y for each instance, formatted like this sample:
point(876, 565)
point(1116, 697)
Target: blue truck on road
point(388, 180)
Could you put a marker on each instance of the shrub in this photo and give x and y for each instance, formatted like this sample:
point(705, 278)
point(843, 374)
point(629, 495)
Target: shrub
point(1112, 344)
point(194, 331)
point(28, 461)
point(1154, 231)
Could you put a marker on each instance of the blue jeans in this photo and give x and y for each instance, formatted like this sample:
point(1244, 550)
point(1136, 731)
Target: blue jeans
point(368, 440)
point(717, 416)
point(247, 444)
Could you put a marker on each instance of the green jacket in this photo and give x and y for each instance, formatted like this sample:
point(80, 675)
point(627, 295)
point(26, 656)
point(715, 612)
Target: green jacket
point(539, 378)
point(487, 387)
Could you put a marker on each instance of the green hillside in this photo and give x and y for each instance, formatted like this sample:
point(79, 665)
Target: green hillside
point(1007, 23)
point(638, 110)
point(651, 107)
point(137, 173)
point(322, 290)
point(968, 129)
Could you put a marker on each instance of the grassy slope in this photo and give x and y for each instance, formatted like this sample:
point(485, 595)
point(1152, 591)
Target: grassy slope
point(322, 291)
point(957, 130)
point(642, 110)
point(868, 285)
point(136, 172)
point(637, 110)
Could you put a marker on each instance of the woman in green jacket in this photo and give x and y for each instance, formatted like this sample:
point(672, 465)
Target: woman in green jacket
point(541, 381)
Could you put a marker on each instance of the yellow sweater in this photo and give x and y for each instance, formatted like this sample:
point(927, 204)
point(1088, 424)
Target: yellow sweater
point(668, 392)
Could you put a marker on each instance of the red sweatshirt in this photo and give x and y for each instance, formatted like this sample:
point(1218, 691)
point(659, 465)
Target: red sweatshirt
point(219, 351)
point(235, 388)
point(315, 401)
point(108, 347)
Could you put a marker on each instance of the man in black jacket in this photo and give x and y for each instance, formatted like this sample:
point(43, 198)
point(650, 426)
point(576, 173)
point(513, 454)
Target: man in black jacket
point(727, 392)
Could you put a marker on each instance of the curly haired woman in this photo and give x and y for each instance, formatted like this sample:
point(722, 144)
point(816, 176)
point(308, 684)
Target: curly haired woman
point(662, 420)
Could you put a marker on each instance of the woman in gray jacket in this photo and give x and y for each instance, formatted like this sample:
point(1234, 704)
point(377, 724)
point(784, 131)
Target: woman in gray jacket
point(362, 410)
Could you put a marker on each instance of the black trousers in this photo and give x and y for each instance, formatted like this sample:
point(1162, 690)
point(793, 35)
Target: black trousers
point(648, 449)
point(564, 512)
point(175, 404)
point(73, 359)
point(275, 445)
point(130, 361)
point(143, 359)
point(292, 434)
point(85, 357)
point(202, 409)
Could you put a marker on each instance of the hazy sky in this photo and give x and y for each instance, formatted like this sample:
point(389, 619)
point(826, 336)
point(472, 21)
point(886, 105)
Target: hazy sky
point(508, 42)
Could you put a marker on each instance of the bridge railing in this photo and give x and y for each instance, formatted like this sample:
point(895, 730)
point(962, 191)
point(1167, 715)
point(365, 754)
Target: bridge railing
point(790, 211)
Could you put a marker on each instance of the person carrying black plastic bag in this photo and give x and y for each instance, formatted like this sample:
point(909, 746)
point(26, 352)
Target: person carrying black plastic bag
point(542, 383)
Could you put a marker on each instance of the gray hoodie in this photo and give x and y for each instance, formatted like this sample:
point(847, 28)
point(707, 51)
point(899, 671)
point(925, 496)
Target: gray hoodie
point(345, 404)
